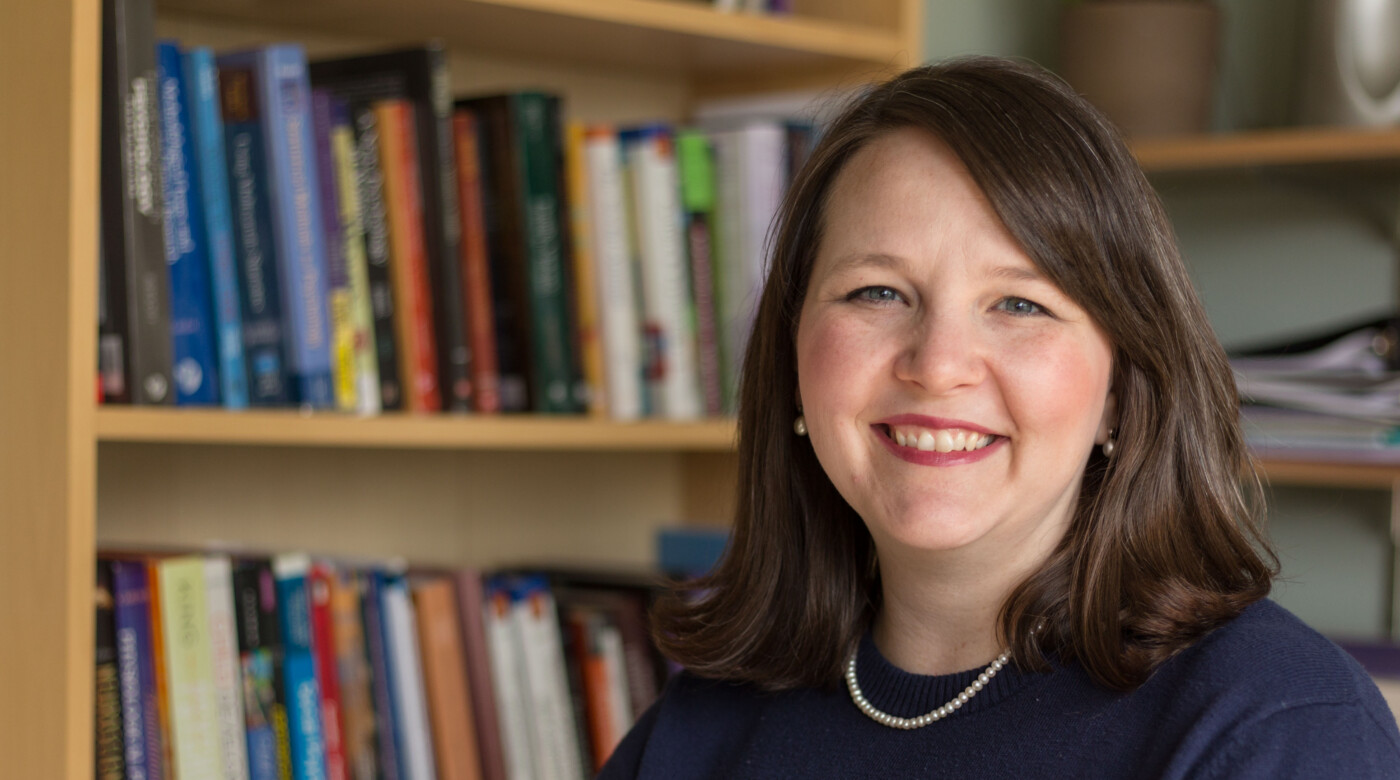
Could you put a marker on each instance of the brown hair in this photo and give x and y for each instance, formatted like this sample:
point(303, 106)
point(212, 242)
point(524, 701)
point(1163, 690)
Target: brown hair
point(1165, 543)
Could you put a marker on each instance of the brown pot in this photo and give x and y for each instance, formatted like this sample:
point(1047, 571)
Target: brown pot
point(1149, 65)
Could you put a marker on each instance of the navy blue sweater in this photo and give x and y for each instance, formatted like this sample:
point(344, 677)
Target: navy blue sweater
point(1262, 697)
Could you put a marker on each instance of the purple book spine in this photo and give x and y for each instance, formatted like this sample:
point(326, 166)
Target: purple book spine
point(136, 671)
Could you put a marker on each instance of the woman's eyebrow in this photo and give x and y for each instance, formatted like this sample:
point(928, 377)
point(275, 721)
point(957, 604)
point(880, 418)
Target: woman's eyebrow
point(853, 262)
point(1015, 273)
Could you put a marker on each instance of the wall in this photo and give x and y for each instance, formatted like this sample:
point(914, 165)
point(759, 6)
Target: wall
point(1271, 255)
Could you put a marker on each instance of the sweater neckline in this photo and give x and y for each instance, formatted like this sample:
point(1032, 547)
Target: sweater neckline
point(908, 695)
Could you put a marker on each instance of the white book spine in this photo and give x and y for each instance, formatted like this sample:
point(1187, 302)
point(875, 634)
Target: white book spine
point(507, 675)
point(667, 302)
point(543, 647)
point(615, 662)
point(407, 669)
point(616, 289)
point(764, 164)
point(188, 668)
point(228, 680)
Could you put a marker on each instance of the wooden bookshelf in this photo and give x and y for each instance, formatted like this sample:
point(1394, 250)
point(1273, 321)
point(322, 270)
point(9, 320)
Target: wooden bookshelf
point(529, 433)
point(441, 489)
point(1291, 148)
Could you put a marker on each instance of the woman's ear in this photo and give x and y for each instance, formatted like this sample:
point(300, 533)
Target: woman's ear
point(1109, 422)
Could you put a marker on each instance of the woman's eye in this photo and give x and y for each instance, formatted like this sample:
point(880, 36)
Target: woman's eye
point(874, 294)
point(1020, 307)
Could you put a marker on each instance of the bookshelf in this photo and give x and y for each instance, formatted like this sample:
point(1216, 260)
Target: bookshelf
point(452, 490)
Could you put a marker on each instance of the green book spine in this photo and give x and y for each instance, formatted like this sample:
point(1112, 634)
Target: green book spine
point(537, 138)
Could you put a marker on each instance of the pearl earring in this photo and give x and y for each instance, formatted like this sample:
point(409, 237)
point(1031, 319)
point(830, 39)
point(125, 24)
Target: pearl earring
point(799, 426)
point(1110, 445)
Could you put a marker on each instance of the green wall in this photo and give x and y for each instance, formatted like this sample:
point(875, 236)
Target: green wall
point(1271, 255)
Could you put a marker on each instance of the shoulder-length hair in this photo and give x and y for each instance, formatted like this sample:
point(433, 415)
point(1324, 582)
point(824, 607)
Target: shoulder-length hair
point(1165, 543)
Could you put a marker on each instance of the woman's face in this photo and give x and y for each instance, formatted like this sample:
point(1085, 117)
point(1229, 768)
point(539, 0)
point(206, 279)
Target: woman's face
point(952, 393)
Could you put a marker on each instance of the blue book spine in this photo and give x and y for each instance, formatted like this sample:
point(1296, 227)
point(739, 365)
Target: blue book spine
point(302, 694)
point(207, 130)
point(260, 292)
point(285, 93)
point(377, 642)
point(136, 671)
point(191, 321)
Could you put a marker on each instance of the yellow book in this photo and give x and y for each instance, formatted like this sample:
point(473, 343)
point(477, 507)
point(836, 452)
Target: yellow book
point(366, 365)
point(585, 280)
point(189, 668)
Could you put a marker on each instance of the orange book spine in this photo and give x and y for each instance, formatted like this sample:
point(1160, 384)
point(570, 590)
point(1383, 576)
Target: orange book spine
point(158, 663)
point(444, 676)
point(476, 274)
point(413, 309)
point(585, 285)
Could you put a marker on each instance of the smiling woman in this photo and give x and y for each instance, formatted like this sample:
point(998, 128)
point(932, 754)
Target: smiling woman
point(996, 516)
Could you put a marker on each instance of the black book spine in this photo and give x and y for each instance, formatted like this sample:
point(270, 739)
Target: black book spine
point(109, 746)
point(134, 343)
point(381, 290)
point(505, 244)
point(421, 76)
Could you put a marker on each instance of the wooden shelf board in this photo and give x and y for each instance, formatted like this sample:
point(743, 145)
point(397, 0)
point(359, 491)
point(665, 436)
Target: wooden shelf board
point(668, 35)
point(1268, 148)
point(291, 428)
point(1277, 471)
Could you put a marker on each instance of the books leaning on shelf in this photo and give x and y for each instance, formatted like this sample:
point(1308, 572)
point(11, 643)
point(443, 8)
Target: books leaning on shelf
point(1331, 397)
point(344, 235)
point(253, 668)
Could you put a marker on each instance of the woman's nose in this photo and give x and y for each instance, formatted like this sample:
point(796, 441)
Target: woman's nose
point(942, 354)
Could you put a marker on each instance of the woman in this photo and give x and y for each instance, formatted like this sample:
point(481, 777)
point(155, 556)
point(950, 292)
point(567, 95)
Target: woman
point(996, 517)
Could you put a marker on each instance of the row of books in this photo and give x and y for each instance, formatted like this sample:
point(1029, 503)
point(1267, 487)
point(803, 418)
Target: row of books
point(288, 668)
point(341, 234)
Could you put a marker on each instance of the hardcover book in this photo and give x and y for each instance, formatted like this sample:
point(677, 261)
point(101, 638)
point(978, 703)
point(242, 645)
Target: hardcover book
point(695, 159)
point(319, 584)
point(107, 705)
point(420, 76)
point(589, 352)
point(194, 721)
point(366, 367)
point(299, 685)
point(186, 248)
point(260, 655)
point(412, 295)
point(353, 671)
point(445, 679)
point(405, 667)
point(207, 134)
point(260, 290)
point(476, 270)
point(135, 662)
point(134, 342)
point(370, 188)
point(342, 330)
point(284, 95)
point(224, 658)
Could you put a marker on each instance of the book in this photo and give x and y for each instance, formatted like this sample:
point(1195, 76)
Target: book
point(135, 346)
point(695, 160)
point(590, 346)
point(225, 663)
point(260, 657)
point(673, 386)
point(523, 177)
point(108, 750)
point(186, 249)
point(476, 271)
point(194, 723)
point(300, 690)
point(318, 587)
point(540, 644)
point(518, 737)
point(749, 169)
point(381, 676)
point(471, 599)
point(162, 677)
point(445, 680)
point(406, 671)
point(616, 286)
point(353, 672)
point(420, 76)
point(284, 96)
point(255, 251)
point(207, 136)
point(413, 304)
point(364, 354)
point(338, 300)
point(597, 643)
point(370, 188)
point(135, 659)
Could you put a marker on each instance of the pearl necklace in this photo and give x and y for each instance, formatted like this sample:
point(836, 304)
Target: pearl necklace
point(896, 722)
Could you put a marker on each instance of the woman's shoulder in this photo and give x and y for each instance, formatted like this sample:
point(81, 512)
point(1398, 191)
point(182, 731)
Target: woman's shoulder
point(1264, 691)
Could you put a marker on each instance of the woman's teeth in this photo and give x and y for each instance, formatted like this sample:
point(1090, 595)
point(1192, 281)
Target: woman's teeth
point(941, 440)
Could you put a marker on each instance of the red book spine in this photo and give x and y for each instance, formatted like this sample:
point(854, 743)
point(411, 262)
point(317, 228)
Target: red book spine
point(413, 296)
point(476, 274)
point(323, 648)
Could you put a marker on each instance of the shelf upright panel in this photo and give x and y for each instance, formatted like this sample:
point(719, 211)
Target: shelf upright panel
point(49, 73)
